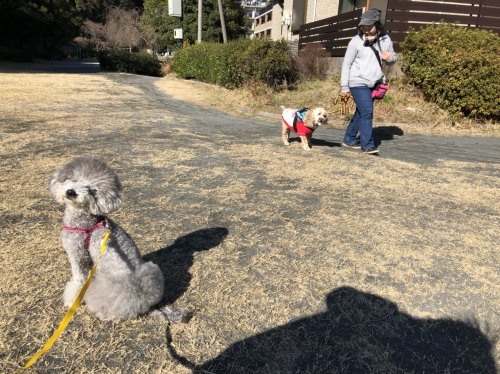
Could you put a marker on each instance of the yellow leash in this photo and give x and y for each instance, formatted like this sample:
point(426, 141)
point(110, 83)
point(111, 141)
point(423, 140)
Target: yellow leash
point(344, 106)
point(71, 311)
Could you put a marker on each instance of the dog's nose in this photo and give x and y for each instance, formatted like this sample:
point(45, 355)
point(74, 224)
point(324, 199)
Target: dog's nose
point(70, 194)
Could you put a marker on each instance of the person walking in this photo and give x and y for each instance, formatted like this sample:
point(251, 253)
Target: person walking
point(361, 73)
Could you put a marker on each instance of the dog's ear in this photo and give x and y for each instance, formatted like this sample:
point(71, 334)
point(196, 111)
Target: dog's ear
point(105, 186)
point(107, 200)
point(52, 182)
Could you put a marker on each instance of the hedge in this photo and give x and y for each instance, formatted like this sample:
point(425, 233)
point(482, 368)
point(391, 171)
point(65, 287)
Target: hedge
point(236, 63)
point(135, 63)
point(456, 67)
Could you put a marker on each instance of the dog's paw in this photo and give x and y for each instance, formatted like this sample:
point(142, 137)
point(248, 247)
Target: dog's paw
point(173, 314)
point(286, 143)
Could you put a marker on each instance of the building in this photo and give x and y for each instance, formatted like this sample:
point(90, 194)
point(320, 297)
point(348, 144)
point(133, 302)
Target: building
point(261, 13)
point(282, 19)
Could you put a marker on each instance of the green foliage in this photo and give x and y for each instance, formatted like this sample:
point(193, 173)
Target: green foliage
point(135, 63)
point(456, 67)
point(235, 63)
point(16, 55)
point(30, 28)
point(267, 61)
point(210, 62)
point(156, 16)
point(389, 100)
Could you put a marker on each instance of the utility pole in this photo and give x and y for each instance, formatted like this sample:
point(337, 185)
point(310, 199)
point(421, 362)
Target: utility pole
point(200, 13)
point(222, 22)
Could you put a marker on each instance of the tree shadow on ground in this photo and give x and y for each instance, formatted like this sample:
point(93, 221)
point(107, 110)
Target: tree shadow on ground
point(359, 333)
point(383, 133)
point(176, 259)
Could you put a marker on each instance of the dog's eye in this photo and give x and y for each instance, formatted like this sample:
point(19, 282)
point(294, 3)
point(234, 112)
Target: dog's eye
point(93, 191)
point(71, 193)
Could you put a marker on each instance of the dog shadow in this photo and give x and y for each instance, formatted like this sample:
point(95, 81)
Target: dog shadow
point(316, 142)
point(384, 133)
point(358, 333)
point(176, 259)
point(323, 143)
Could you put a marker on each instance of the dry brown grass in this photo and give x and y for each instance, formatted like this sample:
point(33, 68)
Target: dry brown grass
point(404, 107)
point(404, 252)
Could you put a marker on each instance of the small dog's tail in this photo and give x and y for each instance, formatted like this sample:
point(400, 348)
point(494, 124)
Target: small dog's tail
point(174, 314)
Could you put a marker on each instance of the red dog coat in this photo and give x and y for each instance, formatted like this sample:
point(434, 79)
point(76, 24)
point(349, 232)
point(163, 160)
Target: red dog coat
point(292, 118)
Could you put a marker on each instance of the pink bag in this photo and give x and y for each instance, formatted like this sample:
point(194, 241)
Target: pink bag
point(380, 90)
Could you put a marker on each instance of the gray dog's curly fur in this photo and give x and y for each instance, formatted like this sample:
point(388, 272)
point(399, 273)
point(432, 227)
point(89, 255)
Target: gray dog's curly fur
point(124, 285)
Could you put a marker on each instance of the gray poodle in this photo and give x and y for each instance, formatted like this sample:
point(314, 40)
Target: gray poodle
point(124, 285)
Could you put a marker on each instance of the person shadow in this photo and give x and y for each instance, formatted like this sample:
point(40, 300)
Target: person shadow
point(358, 333)
point(176, 259)
point(383, 133)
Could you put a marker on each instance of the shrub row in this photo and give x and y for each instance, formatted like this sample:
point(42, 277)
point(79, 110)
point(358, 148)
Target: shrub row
point(237, 62)
point(16, 55)
point(125, 62)
point(456, 67)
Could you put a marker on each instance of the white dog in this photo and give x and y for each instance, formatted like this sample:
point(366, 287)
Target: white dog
point(303, 122)
point(124, 286)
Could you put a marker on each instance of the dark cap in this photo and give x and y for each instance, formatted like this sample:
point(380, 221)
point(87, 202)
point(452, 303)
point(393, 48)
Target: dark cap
point(370, 17)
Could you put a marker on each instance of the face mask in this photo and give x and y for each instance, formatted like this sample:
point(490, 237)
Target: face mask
point(369, 40)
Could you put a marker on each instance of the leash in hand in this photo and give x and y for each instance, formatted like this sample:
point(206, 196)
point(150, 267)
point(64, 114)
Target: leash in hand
point(345, 103)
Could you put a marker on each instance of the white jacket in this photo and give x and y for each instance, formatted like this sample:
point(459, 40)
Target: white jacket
point(360, 66)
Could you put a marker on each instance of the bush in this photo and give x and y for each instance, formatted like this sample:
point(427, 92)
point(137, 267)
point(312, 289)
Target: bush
point(267, 61)
point(125, 62)
point(236, 63)
point(209, 62)
point(456, 67)
point(16, 55)
point(312, 63)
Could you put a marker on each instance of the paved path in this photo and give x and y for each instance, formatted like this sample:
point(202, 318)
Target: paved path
point(427, 149)
point(422, 149)
point(65, 66)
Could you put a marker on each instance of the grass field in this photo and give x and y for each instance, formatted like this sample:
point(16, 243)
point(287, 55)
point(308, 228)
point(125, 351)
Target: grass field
point(293, 263)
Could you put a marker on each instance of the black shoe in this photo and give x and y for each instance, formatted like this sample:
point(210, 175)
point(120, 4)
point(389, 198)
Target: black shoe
point(371, 151)
point(352, 146)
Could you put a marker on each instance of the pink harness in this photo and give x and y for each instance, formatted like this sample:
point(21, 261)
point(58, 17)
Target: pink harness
point(87, 233)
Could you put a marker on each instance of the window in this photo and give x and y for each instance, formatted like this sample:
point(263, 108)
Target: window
point(346, 6)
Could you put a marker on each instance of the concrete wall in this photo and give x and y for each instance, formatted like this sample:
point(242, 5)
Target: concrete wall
point(320, 9)
point(278, 29)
